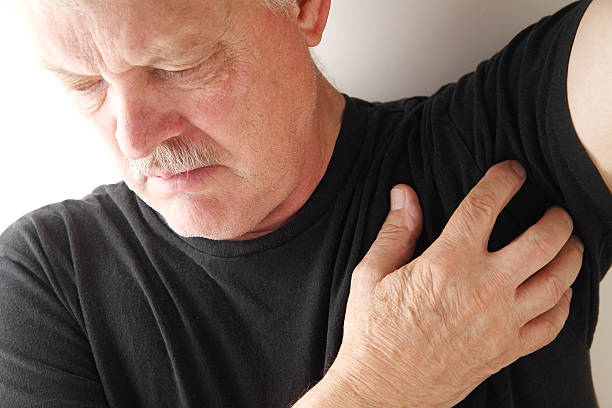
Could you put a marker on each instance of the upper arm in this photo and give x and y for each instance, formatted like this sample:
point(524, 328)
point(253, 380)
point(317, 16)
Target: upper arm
point(589, 86)
point(45, 356)
point(515, 106)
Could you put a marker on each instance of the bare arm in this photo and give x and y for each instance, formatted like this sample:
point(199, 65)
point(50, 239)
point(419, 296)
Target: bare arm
point(589, 86)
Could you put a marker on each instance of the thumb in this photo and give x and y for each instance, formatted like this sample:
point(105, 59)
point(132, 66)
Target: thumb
point(397, 238)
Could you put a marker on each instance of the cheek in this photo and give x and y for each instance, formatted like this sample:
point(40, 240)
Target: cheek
point(215, 104)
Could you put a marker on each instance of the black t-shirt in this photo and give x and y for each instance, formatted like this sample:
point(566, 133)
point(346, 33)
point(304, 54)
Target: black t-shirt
point(101, 304)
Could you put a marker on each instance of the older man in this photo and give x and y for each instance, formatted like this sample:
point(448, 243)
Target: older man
point(254, 202)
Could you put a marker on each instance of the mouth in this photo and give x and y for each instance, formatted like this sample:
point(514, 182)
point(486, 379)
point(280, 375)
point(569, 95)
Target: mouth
point(194, 180)
point(165, 175)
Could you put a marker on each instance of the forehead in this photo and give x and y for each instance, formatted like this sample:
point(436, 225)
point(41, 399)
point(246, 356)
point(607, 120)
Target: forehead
point(115, 35)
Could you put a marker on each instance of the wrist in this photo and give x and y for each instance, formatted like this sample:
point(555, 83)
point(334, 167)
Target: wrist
point(334, 390)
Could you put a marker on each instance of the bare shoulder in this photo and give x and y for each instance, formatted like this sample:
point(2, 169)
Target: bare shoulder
point(589, 85)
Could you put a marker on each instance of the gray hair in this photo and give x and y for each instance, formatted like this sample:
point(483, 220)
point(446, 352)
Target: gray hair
point(274, 5)
point(278, 5)
point(174, 156)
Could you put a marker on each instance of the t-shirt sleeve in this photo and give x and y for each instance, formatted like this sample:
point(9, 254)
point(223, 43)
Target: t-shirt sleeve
point(515, 106)
point(45, 358)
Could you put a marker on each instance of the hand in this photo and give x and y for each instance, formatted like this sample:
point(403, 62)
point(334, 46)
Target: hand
point(427, 333)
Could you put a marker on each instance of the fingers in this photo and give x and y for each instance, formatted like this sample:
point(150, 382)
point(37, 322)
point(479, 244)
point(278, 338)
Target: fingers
point(472, 222)
point(537, 246)
point(543, 290)
point(544, 329)
point(396, 240)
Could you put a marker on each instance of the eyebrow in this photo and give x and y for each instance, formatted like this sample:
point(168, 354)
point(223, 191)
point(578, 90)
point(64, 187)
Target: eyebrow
point(61, 72)
point(164, 57)
point(169, 57)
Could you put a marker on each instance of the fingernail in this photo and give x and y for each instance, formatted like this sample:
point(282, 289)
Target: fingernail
point(397, 199)
point(518, 168)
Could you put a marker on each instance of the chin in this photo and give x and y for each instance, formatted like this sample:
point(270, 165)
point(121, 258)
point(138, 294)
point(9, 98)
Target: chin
point(189, 230)
point(196, 219)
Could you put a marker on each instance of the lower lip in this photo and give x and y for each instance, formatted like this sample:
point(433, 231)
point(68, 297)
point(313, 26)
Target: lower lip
point(192, 181)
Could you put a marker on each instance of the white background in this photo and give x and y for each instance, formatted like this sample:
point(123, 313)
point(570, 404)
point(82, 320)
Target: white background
point(377, 50)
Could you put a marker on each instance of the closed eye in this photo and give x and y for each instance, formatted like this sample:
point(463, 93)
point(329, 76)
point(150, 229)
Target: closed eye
point(76, 83)
point(185, 73)
point(85, 87)
point(196, 74)
point(182, 74)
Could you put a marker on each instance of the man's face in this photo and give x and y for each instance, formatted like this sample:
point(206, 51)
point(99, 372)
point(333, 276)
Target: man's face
point(174, 86)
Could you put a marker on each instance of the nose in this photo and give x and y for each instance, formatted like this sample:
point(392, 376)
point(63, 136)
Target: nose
point(143, 120)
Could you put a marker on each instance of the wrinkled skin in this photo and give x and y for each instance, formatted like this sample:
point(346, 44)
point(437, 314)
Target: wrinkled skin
point(236, 81)
point(231, 77)
point(426, 332)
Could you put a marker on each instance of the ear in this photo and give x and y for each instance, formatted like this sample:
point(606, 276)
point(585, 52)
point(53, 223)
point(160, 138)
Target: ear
point(312, 19)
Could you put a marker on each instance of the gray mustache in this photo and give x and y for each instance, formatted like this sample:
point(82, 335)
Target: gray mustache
point(174, 156)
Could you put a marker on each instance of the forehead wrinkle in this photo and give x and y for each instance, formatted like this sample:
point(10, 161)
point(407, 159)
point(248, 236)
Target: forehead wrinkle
point(113, 42)
point(72, 55)
point(64, 42)
point(153, 47)
point(102, 36)
point(189, 45)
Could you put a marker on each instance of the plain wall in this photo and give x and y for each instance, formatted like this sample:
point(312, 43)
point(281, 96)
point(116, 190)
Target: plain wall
point(377, 50)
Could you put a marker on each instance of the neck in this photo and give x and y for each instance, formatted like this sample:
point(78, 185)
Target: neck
point(328, 120)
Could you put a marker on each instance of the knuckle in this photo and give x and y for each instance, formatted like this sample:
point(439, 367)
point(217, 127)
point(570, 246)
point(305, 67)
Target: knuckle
point(393, 228)
point(578, 244)
point(421, 287)
point(359, 270)
point(532, 344)
point(481, 203)
point(526, 346)
point(523, 312)
point(492, 366)
point(500, 356)
point(555, 287)
point(486, 294)
point(543, 242)
point(514, 319)
point(551, 329)
point(405, 245)
point(564, 216)
point(396, 236)
point(358, 277)
point(500, 171)
point(576, 251)
point(453, 238)
point(497, 281)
